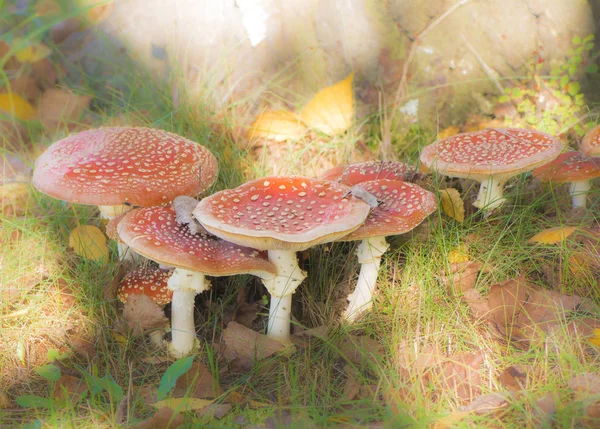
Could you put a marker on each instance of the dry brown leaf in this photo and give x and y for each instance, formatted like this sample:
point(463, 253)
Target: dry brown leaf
point(5, 401)
point(215, 411)
point(245, 345)
point(462, 277)
point(452, 204)
point(486, 404)
point(360, 350)
point(245, 313)
point(352, 386)
point(58, 106)
point(89, 242)
point(199, 382)
point(585, 384)
point(544, 410)
point(45, 73)
point(331, 110)
point(25, 86)
point(142, 314)
point(164, 418)
point(477, 303)
point(512, 379)
point(69, 388)
point(427, 357)
point(462, 374)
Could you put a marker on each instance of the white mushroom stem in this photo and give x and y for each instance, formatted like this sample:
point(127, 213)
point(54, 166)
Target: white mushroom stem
point(123, 250)
point(185, 285)
point(490, 194)
point(369, 254)
point(282, 287)
point(578, 191)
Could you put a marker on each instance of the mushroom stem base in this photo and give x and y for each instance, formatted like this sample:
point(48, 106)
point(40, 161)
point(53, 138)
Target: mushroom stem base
point(490, 194)
point(281, 287)
point(185, 285)
point(578, 192)
point(369, 254)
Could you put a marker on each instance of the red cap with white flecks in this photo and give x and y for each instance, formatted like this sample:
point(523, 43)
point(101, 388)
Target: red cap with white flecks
point(590, 145)
point(402, 207)
point(501, 152)
point(282, 213)
point(154, 233)
point(569, 167)
point(370, 170)
point(148, 281)
point(113, 166)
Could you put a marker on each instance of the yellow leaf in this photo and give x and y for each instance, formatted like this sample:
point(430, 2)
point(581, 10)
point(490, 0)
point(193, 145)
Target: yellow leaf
point(16, 106)
point(552, 235)
point(332, 109)
point(459, 255)
point(595, 338)
point(118, 337)
point(448, 132)
point(580, 263)
point(97, 10)
point(89, 242)
point(184, 404)
point(32, 53)
point(452, 204)
point(278, 125)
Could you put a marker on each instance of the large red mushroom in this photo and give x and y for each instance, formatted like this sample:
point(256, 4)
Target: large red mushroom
point(116, 168)
point(491, 157)
point(401, 207)
point(282, 215)
point(154, 233)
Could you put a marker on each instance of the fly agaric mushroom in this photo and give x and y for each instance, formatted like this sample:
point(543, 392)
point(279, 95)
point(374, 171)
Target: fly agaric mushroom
point(401, 207)
point(491, 157)
point(282, 215)
point(154, 233)
point(354, 174)
point(571, 167)
point(590, 145)
point(151, 282)
point(116, 168)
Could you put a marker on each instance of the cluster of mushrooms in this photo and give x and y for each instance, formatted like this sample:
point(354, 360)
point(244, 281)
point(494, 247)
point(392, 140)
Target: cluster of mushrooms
point(145, 179)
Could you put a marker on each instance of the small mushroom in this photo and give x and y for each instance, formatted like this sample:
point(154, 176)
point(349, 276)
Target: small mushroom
point(402, 207)
point(116, 168)
point(590, 145)
point(282, 215)
point(354, 174)
point(574, 168)
point(491, 157)
point(151, 282)
point(154, 233)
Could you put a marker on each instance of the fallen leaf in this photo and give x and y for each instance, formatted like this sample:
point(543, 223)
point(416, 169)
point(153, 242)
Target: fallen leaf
point(360, 350)
point(215, 411)
point(245, 313)
point(512, 379)
point(58, 106)
point(246, 345)
point(462, 277)
point(331, 110)
point(183, 404)
point(45, 73)
point(89, 242)
point(452, 204)
point(544, 411)
point(25, 86)
point(69, 389)
point(199, 382)
point(486, 404)
point(352, 386)
point(5, 401)
point(278, 125)
point(585, 384)
point(97, 10)
point(581, 263)
point(553, 235)
point(47, 7)
point(31, 53)
point(142, 314)
point(16, 106)
point(448, 132)
point(164, 418)
point(462, 374)
point(460, 254)
point(595, 338)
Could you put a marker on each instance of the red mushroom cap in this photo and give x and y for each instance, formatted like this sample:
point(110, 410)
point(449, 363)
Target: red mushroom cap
point(590, 145)
point(148, 281)
point(502, 152)
point(113, 166)
point(154, 233)
point(371, 170)
point(402, 207)
point(282, 213)
point(569, 167)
